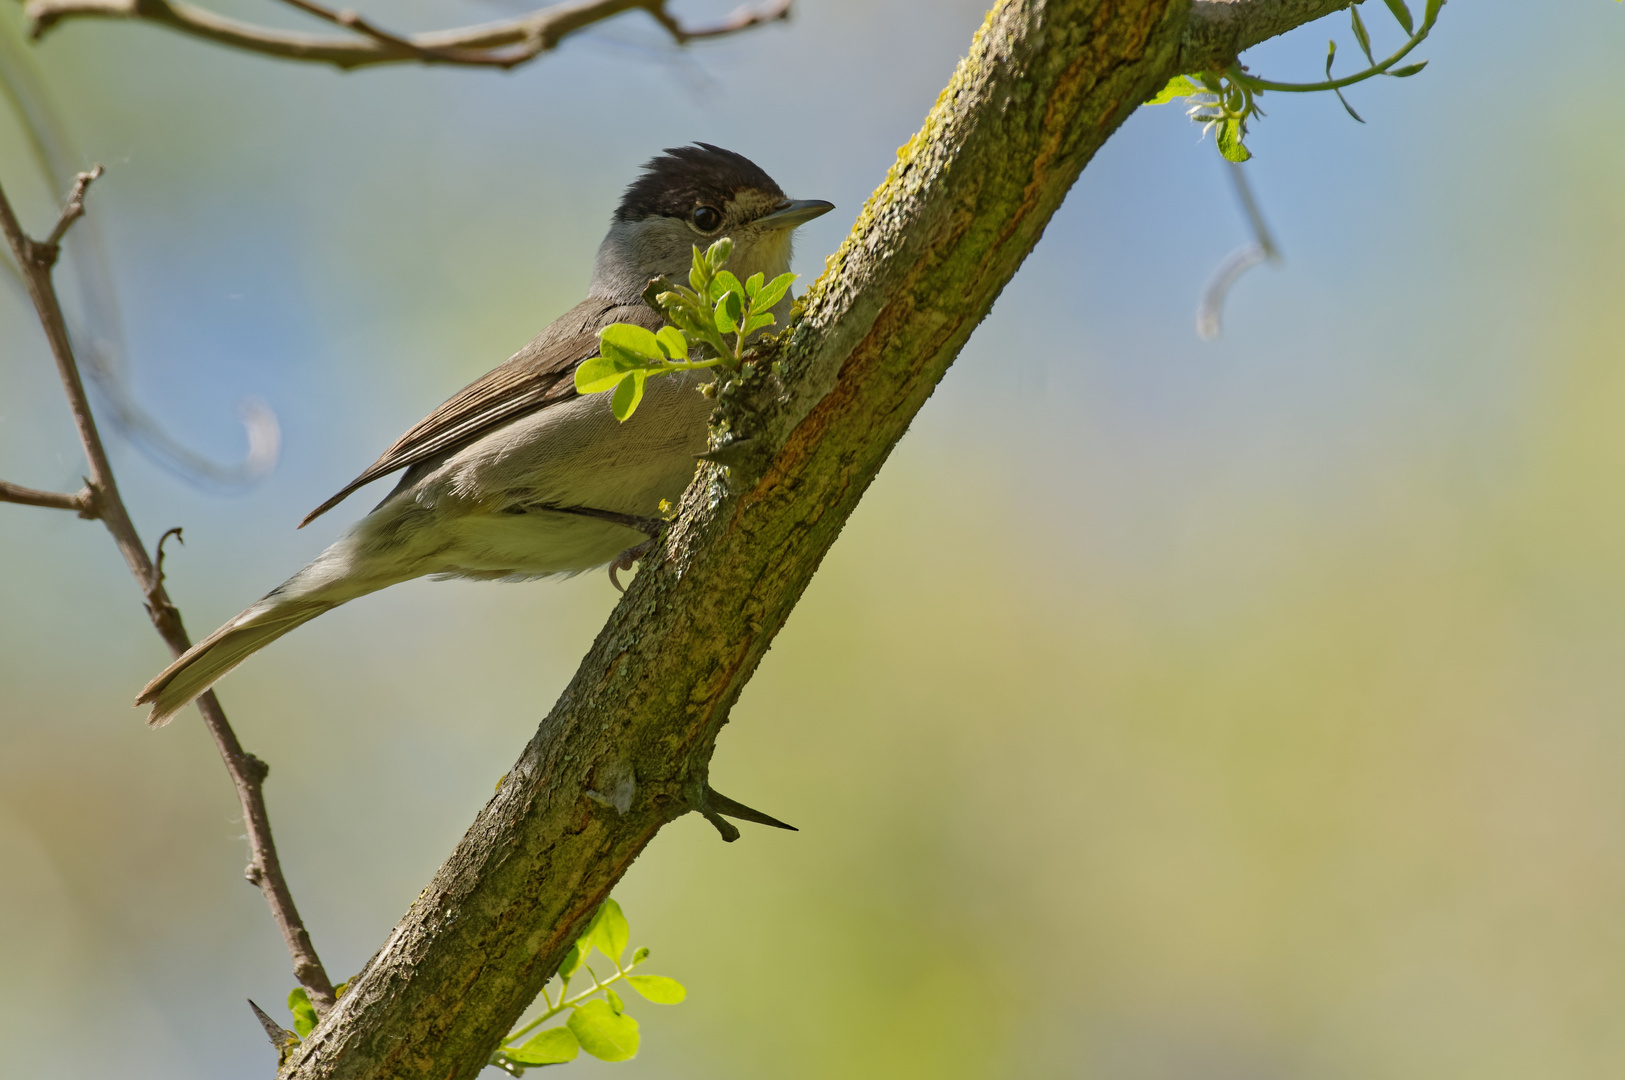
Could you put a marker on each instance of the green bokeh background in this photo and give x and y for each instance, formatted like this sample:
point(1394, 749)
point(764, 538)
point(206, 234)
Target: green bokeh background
point(1168, 711)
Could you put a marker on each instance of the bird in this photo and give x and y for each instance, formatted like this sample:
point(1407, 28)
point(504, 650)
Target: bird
point(517, 476)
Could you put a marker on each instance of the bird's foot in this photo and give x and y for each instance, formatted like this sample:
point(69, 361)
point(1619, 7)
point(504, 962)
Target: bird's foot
point(625, 559)
point(717, 808)
point(648, 526)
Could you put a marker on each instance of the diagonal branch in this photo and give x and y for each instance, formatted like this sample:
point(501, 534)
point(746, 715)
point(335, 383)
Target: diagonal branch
point(1046, 82)
point(101, 499)
point(505, 43)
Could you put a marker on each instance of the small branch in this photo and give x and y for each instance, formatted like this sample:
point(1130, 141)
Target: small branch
point(101, 495)
point(74, 208)
point(505, 43)
point(741, 18)
point(81, 502)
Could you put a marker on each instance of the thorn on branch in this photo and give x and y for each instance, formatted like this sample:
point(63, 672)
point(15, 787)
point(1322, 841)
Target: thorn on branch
point(283, 1041)
point(717, 808)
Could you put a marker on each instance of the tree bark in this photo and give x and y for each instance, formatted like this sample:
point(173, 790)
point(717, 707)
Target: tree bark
point(626, 748)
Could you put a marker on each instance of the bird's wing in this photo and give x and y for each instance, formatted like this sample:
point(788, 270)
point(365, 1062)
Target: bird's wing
point(535, 377)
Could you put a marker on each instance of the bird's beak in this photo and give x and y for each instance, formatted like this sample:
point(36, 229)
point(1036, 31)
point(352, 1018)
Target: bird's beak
point(795, 213)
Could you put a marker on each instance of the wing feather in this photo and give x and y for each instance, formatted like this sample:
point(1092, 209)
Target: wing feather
point(539, 375)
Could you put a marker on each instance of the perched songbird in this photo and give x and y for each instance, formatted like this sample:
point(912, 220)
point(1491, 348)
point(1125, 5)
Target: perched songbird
point(518, 476)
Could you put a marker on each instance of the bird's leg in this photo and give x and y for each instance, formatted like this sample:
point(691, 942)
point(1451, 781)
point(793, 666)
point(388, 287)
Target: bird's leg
point(648, 526)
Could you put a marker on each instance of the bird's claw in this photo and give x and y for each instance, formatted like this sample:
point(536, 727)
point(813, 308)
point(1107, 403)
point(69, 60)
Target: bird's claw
point(625, 559)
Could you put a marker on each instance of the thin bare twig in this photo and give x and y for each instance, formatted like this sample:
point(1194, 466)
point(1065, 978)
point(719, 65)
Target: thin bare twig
point(81, 502)
point(36, 260)
point(505, 43)
point(741, 18)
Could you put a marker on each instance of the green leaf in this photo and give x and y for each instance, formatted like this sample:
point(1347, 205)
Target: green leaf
point(304, 1013)
point(1408, 70)
point(1179, 86)
point(554, 1046)
point(575, 957)
point(757, 322)
point(639, 955)
point(1360, 34)
point(604, 1033)
point(773, 292)
point(672, 343)
point(1331, 52)
point(725, 283)
point(1210, 82)
point(1402, 13)
point(633, 345)
point(627, 395)
point(701, 325)
point(717, 254)
point(609, 930)
point(699, 274)
point(683, 309)
point(730, 312)
point(597, 374)
point(1347, 106)
point(753, 284)
point(658, 988)
point(1230, 142)
point(1432, 12)
point(615, 1002)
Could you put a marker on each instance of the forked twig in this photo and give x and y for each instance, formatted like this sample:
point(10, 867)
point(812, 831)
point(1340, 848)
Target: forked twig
point(101, 499)
point(505, 43)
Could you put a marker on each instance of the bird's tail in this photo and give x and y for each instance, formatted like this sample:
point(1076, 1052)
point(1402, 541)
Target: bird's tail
point(206, 662)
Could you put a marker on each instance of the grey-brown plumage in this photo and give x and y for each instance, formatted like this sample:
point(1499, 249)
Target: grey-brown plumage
point(517, 476)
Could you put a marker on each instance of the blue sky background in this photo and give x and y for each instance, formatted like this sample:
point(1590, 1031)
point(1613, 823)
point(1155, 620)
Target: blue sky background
point(1170, 709)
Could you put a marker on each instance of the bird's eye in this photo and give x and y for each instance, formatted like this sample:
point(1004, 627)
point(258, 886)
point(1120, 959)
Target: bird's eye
point(706, 218)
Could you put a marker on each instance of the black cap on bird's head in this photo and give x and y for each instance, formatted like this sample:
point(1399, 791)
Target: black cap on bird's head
point(685, 178)
point(690, 197)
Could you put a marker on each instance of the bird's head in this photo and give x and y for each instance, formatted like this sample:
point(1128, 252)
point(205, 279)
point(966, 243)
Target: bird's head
point(694, 195)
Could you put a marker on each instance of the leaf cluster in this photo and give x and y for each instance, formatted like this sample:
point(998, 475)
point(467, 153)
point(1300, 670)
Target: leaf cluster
point(701, 318)
point(1224, 101)
point(599, 1025)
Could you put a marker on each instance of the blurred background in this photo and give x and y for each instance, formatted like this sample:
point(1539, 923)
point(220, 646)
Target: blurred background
point(1169, 710)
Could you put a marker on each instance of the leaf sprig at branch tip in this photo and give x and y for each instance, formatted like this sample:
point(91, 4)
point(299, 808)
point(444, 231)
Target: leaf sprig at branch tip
point(701, 316)
point(598, 1025)
point(1225, 100)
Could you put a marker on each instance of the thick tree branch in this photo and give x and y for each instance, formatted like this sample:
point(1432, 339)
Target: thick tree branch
point(1220, 30)
point(1043, 87)
point(1046, 82)
point(101, 499)
point(504, 44)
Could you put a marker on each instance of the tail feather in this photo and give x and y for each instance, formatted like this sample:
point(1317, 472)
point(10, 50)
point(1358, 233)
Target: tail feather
point(212, 658)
